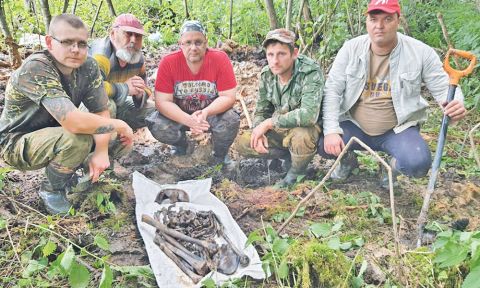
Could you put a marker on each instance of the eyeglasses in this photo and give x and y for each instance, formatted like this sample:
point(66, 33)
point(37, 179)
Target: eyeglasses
point(197, 44)
point(69, 43)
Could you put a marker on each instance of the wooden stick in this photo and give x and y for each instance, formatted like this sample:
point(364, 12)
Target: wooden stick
point(244, 107)
point(445, 35)
point(13, 246)
point(327, 176)
point(472, 143)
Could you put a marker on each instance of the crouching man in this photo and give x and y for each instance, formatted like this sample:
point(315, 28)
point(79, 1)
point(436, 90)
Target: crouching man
point(373, 93)
point(195, 90)
point(288, 107)
point(41, 126)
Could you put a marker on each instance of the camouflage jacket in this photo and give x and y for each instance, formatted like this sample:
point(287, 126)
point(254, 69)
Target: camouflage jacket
point(39, 78)
point(115, 76)
point(297, 104)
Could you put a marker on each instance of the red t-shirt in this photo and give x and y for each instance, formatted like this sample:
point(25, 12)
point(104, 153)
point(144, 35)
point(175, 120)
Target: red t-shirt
point(195, 92)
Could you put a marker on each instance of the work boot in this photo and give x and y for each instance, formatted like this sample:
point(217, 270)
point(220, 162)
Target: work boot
point(278, 158)
point(227, 163)
point(345, 167)
point(384, 173)
point(53, 190)
point(299, 164)
point(180, 148)
point(55, 201)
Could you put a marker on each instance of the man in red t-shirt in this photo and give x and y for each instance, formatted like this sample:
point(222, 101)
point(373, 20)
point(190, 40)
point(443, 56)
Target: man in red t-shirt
point(195, 90)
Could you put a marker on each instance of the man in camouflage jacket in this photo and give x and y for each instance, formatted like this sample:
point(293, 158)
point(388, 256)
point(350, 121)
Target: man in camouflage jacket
point(41, 126)
point(288, 107)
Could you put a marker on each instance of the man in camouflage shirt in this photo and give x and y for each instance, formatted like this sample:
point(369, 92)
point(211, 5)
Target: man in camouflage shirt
point(41, 126)
point(288, 107)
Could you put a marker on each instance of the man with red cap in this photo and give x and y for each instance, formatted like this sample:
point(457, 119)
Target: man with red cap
point(373, 93)
point(122, 64)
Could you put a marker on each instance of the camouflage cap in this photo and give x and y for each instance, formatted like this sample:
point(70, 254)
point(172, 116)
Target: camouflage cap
point(192, 25)
point(282, 35)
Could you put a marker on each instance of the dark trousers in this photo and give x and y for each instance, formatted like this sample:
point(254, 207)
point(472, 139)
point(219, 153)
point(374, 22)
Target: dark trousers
point(412, 154)
point(224, 128)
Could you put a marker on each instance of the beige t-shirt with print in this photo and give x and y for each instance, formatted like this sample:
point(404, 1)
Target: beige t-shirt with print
point(374, 110)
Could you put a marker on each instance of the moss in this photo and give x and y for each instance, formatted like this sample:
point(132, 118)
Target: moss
point(317, 265)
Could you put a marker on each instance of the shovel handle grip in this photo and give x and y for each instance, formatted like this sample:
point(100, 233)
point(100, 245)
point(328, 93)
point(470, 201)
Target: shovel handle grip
point(455, 75)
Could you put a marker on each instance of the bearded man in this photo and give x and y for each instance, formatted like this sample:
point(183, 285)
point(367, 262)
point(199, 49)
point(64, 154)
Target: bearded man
point(122, 65)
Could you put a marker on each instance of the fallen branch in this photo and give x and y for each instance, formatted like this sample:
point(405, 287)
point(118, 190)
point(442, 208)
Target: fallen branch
point(327, 176)
point(244, 107)
point(472, 143)
point(13, 246)
point(244, 212)
point(445, 35)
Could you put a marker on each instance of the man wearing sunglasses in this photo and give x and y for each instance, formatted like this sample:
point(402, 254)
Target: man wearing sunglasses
point(195, 90)
point(41, 125)
point(122, 65)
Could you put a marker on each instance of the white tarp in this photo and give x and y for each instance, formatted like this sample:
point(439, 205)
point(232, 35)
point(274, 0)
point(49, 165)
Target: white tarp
point(167, 274)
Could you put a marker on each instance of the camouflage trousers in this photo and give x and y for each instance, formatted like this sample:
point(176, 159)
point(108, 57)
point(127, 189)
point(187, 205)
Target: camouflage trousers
point(224, 128)
point(133, 116)
point(55, 147)
point(282, 143)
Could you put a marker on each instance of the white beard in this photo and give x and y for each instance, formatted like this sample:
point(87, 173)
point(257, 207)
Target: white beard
point(129, 57)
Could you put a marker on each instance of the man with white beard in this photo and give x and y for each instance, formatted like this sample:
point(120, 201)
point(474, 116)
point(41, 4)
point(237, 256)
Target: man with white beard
point(122, 65)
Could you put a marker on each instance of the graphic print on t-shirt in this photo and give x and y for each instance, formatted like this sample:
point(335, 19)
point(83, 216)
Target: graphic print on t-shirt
point(192, 96)
point(377, 88)
point(374, 110)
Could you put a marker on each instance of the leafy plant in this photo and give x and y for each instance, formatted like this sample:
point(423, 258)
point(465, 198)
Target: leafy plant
point(104, 204)
point(3, 175)
point(459, 249)
point(275, 247)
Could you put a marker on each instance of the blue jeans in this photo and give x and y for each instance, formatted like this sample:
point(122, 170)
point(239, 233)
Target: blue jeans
point(412, 154)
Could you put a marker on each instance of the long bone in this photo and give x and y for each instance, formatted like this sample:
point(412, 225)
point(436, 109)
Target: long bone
point(210, 246)
point(161, 243)
point(197, 263)
point(244, 260)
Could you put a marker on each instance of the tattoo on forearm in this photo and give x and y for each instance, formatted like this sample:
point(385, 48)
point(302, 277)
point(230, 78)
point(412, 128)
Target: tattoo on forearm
point(58, 107)
point(104, 129)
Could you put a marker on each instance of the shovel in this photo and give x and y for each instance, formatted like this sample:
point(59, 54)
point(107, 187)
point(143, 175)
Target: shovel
point(455, 76)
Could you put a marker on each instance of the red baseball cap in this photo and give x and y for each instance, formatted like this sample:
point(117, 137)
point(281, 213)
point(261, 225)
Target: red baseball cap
point(128, 22)
point(388, 6)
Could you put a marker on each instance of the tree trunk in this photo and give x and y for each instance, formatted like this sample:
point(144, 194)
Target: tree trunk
point(47, 17)
point(272, 17)
point(74, 8)
point(29, 6)
point(288, 17)
point(307, 13)
point(15, 57)
point(65, 6)
point(187, 15)
point(111, 8)
point(231, 20)
point(478, 5)
point(96, 17)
